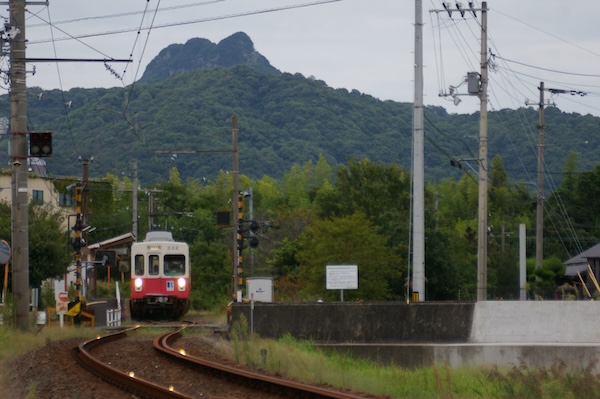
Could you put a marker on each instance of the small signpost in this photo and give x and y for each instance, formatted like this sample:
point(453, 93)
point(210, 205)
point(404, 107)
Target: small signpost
point(62, 305)
point(342, 277)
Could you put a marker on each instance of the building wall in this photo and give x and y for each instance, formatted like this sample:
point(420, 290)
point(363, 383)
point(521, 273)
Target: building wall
point(33, 183)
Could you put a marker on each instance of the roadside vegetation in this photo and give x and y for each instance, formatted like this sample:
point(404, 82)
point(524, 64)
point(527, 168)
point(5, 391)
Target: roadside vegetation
point(16, 342)
point(307, 363)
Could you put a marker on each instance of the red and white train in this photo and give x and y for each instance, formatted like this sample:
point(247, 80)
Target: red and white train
point(160, 277)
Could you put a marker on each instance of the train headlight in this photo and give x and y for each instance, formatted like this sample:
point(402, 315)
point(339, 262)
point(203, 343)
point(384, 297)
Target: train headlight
point(181, 284)
point(138, 284)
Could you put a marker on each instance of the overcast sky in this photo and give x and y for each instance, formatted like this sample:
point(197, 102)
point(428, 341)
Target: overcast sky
point(367, 45)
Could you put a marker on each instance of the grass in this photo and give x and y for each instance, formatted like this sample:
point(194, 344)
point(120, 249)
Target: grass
point(16, 342)
point(304, 362)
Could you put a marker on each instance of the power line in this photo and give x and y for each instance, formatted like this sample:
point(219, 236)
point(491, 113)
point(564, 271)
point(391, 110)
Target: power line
point(125, 14)
point(546, 69)
point(190, 22)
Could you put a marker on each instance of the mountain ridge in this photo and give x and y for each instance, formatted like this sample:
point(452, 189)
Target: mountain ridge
point(283, 119)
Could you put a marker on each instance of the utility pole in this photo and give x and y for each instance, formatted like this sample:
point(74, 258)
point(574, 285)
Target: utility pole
point(236, 253)
point(482, 238)
point(19, 154)
point(151, 210)
point(85, 194)
point(18, 125)
point(77, 241)
point(418, 164)
point(479, 87)
point(134, 216)
point(539, 230)
point(251, 217)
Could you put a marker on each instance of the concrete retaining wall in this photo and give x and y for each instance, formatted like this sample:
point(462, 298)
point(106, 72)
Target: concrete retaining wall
point(536, 321)
point(361, 322)
point(534, 333)
point(574, 356)
point(431, 322)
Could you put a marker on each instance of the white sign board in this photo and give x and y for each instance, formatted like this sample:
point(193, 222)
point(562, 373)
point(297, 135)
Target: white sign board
point(342, 277)
point(260, 288)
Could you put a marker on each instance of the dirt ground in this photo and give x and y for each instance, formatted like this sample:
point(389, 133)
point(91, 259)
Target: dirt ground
point(51, 372)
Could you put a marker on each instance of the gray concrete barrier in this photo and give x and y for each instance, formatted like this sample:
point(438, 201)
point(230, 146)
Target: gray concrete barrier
point(361, 322)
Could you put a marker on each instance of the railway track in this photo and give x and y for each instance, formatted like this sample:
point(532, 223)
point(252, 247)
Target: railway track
point(144, 388)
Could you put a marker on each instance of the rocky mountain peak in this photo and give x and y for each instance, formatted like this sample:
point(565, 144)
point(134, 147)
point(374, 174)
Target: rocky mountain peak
point(198, 53)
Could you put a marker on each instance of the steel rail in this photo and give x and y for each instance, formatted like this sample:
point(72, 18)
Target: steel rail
point(131, 383)
point(286, 388)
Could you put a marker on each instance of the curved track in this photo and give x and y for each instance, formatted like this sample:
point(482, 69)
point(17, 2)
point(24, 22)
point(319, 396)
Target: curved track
point(287, 389)
point(125, 381)
point(163, 343)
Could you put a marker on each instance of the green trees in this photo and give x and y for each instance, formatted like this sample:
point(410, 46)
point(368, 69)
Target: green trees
point(347, 240)
point(316, 215)
point(49, 252)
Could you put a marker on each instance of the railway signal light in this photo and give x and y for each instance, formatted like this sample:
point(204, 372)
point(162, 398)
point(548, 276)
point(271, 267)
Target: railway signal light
point(40, 144)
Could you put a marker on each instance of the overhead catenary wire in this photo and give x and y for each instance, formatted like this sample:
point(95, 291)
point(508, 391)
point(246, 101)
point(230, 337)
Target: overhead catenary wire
point(62, 92)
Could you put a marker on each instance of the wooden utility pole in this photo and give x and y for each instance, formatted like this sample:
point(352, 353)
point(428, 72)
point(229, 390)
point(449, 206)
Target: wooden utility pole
point(539, 230)
point(19, 151)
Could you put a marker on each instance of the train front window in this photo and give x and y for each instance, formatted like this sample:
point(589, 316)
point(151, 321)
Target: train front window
point(139, 265)
point(153, 265)
point(174, 265)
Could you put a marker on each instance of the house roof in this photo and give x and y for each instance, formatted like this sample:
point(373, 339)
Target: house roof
point(113, 242)
point(580, 262)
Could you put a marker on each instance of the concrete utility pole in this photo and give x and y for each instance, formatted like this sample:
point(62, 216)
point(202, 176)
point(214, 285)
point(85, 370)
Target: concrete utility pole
point(85, 196)
point(539, 230)
point(482, 238)
point(479, 87)
point(134, 216)
point(151, 209)
point(418, 204)
point(77, 241)
point(236, 253)
point(19, 152)
point(539, 236)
